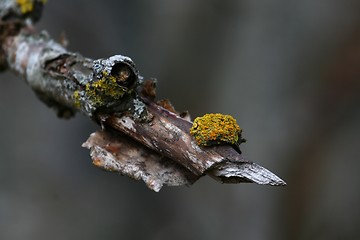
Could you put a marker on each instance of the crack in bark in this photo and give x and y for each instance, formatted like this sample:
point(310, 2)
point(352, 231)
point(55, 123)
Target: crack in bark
point(152, 142)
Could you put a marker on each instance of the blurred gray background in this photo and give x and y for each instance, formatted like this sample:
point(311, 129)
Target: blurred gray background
point(288, 71)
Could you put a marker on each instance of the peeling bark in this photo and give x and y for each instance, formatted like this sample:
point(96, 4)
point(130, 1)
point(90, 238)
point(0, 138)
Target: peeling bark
point(151, 142)
point(117, 153)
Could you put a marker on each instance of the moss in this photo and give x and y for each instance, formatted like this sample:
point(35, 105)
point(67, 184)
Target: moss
point(214, 129)
point(27, 6)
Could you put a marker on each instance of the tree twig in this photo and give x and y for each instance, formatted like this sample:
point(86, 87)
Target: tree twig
point(140, 138)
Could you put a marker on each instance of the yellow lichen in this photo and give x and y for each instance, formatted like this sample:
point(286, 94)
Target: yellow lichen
point(100, 92)
point(77, 99)
point(104, 90)
point(27, 6)
point(215, 128)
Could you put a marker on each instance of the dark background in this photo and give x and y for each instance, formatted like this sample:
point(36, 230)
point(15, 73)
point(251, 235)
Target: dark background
point(288, 71)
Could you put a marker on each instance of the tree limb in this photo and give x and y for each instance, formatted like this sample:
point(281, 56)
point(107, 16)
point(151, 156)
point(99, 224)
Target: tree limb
point(140, 138)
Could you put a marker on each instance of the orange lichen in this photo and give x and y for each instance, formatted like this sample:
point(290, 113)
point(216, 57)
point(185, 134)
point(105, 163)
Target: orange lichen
point(215, 128)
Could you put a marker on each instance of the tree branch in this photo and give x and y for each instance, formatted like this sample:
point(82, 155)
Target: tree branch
point(140, 138)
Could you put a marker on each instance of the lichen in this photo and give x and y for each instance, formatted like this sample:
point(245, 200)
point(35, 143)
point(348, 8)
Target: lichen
point(110, 87)
point(139, 108)
point(104, 90)
point(27, 6)
point(100, 92)
point(216, 128)
point(77, 96)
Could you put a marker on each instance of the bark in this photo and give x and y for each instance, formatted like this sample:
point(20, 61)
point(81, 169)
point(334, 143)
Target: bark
point(140, 138)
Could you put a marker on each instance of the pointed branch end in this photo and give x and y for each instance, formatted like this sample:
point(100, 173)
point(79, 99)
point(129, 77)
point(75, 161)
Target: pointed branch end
point(237, 172)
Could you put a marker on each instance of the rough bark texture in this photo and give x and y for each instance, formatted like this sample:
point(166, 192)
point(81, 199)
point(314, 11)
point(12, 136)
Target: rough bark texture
point(152, 142)
point(117, 153)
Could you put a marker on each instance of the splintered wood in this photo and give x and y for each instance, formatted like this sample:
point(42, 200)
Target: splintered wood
point(141, 138)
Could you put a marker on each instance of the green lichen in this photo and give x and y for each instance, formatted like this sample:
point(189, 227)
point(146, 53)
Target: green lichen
point(105, 89)
point(77, 97)
point(110, 87)
point(27, 6)
point(100, 92)
point(216, 128)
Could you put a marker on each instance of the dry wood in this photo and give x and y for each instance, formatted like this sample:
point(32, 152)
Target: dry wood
point(139, 138)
